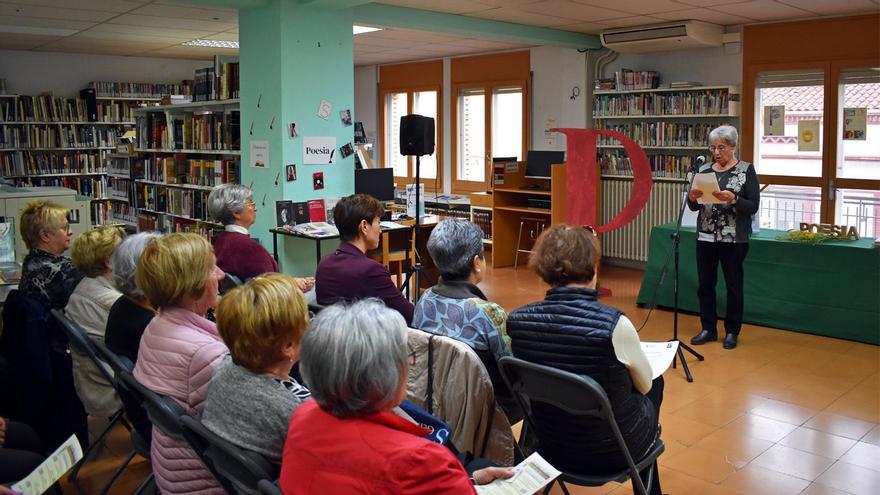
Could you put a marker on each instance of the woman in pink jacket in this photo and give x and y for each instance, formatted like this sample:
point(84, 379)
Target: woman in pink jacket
point(180, 348)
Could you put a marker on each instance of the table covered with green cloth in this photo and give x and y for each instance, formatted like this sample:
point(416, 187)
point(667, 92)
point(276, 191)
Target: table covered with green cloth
point(831, 289)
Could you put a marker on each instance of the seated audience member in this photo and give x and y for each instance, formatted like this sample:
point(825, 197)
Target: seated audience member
point(572, 331)
point(348, 274)
point(46, 275)
point(89, 306)
point(251, 396)
point(347, 440)
point(457, 308)
point(180, 348)
point(237, 253)
point(21, 451)
point(128, 318)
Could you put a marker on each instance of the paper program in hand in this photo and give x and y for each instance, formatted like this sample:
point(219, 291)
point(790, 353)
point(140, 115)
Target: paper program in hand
point(708, 183)
point(660, 355)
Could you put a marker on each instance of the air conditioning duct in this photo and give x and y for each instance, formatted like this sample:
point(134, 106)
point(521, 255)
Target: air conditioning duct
point(680, 35)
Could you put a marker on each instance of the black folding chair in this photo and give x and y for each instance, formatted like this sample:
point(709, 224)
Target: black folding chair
point(237, 469)
point(120, 365)
point(577, 395)
point(80, 342)
point(228, 283)
point(163, 411)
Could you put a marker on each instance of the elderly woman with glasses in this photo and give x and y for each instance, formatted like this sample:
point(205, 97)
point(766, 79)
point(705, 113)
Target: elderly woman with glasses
point(237, 253)
point(724, 224)
point(180, 348)
point(46, 275)
point(349, 439)
point(572, 331)
point(89, 306)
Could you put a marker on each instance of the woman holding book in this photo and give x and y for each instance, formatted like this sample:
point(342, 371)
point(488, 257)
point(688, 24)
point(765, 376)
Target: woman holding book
point(237, 253)
point(723, 230)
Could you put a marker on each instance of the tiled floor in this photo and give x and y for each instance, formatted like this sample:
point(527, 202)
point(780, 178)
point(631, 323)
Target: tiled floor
point(784, 413)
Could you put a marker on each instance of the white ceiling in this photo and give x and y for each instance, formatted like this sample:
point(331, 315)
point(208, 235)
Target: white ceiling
point(158, 27)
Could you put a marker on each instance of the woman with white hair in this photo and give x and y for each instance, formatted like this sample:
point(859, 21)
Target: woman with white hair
point(237, 253)
point(355, 361)
point(723, 230)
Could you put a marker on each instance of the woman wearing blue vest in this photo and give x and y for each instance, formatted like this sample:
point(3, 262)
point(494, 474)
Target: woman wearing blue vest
point(723, 231)
point(572, 331)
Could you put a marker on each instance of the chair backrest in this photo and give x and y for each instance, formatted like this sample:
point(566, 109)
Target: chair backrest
point(237, 469)
point(268, 488)
point(228, 283)
point(79, 340)
point(578, 395)
point(163, 411)
point(117, 362)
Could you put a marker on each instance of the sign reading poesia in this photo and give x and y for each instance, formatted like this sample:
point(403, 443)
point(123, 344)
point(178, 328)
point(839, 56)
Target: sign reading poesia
point(583, 179)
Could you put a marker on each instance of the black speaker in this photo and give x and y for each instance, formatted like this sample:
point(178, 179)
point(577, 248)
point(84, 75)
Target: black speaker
point(416, 135)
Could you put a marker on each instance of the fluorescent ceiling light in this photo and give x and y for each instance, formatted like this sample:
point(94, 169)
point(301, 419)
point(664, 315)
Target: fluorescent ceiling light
point(44, 31)
point(364, 29)
point(212, 43)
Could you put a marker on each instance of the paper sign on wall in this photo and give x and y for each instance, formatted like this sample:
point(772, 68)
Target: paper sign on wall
point(774, 120)
point(319, 150)
point(259, 154)
point(550, 137)
point(411, 200)
point(808, 135)
point(855, 124)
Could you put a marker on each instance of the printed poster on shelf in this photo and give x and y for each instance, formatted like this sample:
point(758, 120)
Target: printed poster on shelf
point(808, 135)
point(855, 124)
point(774, 120)
point(319, 150)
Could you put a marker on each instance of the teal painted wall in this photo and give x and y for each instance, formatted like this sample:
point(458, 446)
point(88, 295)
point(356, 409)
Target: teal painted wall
point(292, 57)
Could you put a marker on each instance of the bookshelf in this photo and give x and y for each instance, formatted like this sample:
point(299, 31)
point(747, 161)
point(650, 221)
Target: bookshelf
point(65, 142)
point(184, 150)
point(670, 124)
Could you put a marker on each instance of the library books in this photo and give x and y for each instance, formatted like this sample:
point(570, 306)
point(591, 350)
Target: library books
point(660, 133)
point(179, 170)
point(685, 102)
point(213, 131)
point(57, 136)
point(23, 162)
point(317, 212)
point(627, 79)
point(140, 90)
point(220, 82)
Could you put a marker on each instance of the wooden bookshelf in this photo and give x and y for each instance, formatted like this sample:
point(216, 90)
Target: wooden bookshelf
point(510, 206)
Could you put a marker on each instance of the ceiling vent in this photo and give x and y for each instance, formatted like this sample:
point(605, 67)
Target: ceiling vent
point(680, 35)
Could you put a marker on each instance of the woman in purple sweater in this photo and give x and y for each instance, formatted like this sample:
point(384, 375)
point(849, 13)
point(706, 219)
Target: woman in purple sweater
point(237, 253)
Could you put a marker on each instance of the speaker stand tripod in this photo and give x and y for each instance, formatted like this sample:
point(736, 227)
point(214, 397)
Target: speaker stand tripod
point(415, 270)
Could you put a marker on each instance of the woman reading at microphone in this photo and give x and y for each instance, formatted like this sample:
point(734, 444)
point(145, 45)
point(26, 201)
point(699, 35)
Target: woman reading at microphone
point(723, 231)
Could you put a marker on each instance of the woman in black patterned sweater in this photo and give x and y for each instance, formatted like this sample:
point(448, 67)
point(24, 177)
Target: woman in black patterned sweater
point(47, 276)
point(723, 230)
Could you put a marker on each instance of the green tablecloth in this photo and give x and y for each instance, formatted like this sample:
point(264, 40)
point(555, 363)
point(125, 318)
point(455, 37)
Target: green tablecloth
point(830, 289)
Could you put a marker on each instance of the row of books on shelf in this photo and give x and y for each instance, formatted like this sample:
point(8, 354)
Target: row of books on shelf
point(121, 189)
point(186, 203)
point(140, 90)
point(290, 213)
point(627, 79)
point(92, 186)
point(180, 170)
point(659, 133)
point(662, 165)
point(220, 82)
point(115, 111)
point(20, 162)
point(43, 108)
point(147, 221)
point(203, 131)
point(102, 213)
point(704, 102)
point(57, 136)
point(124, 213)
point(483, 218)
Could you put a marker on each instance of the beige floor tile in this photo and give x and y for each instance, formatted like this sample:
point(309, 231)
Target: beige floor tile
point(818, 442)
point(783, 411)
point(756, 480)
point(684, 430)
point(760, 427)
point(709, 465)
point(716, 408)
point(817, 489)
point(873, 436)
point(793, 462)
point(851, 479)
point(840, 425)
point(865, 455)
point(739, 448)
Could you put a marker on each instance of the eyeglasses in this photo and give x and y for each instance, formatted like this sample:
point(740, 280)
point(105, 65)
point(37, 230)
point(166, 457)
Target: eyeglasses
point(720, 149)
point(65, 228)
point(589, 228)
point(250, 202)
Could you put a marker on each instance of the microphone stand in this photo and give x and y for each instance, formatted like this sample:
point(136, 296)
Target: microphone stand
point(676, 241)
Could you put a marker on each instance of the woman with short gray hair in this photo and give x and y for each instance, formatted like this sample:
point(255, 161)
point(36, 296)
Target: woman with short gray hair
point(457, 308)
point(128, 318)
point(237, 253)
point(355, 361)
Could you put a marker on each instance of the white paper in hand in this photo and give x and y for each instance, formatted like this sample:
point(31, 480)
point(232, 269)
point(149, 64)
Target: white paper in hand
point(707, 183)
point(660, 355)
point(52, 469)
point(531, 475)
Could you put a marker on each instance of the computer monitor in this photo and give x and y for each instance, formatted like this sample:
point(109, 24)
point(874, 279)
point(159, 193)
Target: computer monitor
point(538, 163)
point(377, 182)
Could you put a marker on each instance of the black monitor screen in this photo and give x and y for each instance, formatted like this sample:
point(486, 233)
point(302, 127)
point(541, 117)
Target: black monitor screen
point(538, 163)
point(377, 182)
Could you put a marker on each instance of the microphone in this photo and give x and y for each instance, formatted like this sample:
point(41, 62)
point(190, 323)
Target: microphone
point(699, 162)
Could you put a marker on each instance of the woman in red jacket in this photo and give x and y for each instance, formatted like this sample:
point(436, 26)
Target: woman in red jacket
point(351, 439)
point(237, 253)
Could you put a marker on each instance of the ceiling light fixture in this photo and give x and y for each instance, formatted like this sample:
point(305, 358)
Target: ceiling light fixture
point(212, 43)
point(364, 29)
